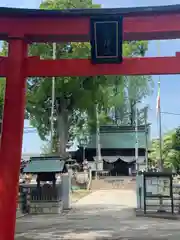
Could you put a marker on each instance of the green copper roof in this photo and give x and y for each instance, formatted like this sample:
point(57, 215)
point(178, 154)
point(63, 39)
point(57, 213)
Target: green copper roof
point(122, 129)
point(119, 138)
point(47, 165)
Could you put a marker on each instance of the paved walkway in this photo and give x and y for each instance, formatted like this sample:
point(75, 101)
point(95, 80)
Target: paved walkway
point(105, 214)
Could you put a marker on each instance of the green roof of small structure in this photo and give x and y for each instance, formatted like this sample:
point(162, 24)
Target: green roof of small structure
point(44, 165)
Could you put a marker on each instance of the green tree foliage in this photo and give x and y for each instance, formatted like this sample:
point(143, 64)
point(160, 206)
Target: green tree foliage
point(176, 139)
point(136, 88)
point(76, 97)
point(171, 157)
point(2, 91)
point(2, 82)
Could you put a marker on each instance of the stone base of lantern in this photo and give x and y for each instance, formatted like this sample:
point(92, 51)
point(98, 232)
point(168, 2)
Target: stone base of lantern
point(18, 213)
point(46, 207)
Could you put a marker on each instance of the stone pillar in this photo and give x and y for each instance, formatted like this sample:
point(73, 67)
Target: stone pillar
point(66, 186)
point(140, 191)
point(18, 210)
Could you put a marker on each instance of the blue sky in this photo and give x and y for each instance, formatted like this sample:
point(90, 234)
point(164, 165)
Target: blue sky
point(170, 85)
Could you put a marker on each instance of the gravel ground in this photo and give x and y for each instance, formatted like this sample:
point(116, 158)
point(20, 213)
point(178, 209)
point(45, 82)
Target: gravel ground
point(105, 214)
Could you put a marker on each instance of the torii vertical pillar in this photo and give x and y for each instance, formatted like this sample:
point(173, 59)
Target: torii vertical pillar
point(12, 134)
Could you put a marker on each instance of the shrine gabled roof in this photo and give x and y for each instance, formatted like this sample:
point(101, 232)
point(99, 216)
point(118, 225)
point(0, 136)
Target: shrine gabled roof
point(120, 137)
point(122, 128)
point(137, 11)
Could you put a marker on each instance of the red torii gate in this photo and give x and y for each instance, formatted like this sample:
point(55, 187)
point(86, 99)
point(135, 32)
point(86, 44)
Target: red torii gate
point(20, 27)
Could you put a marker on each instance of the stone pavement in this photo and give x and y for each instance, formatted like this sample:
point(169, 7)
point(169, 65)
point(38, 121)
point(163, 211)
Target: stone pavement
point(104, 214)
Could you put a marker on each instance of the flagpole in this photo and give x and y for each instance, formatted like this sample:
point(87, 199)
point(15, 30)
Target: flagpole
point(53, 100)
point(146, 135)
point(160, 162)
point(160, 134)
point(136, 136)
point(159, 115)
point(98, 145)
point(54, 50)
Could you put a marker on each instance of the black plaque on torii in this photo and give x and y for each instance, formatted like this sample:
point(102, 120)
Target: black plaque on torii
point(106, 39)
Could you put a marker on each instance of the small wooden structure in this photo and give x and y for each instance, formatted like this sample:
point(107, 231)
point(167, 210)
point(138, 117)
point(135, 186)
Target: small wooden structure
point(45, 194)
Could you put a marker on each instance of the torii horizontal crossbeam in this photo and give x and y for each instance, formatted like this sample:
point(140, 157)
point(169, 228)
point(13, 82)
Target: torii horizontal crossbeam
point(144, 23)
point(83, 67)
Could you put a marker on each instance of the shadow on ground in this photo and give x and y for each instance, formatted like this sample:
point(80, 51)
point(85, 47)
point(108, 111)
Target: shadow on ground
point(96, 221)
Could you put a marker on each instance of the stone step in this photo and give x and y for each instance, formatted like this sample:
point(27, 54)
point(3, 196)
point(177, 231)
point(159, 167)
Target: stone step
point(113, 183)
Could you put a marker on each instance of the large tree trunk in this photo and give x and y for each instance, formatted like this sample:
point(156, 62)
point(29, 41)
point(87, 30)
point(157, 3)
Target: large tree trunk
point(63, 127)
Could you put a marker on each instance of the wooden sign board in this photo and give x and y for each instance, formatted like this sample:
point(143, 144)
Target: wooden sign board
point(106, 39)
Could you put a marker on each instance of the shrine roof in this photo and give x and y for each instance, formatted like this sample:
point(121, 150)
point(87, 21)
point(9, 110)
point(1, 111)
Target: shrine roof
point(127, 12)
point(120, 137)
point(122, 128)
